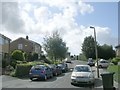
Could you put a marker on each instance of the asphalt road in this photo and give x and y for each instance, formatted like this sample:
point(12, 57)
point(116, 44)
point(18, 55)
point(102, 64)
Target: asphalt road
point(61, 81)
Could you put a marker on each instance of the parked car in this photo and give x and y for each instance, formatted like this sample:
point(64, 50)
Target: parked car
point(56, 70)
point(40, 72)
point(91, 62)
point(82, 74)
point(63, 66)
point(68, 60)
point(102, 63)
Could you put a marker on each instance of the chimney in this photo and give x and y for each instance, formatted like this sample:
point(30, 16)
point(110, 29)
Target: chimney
point(27, 37)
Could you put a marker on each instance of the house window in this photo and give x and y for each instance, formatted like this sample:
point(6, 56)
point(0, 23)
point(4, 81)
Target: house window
point(20, 46)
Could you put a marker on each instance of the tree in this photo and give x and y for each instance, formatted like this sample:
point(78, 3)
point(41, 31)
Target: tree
point(106, 51)
point(55, 47)
point(35, 56)
point(88, 47)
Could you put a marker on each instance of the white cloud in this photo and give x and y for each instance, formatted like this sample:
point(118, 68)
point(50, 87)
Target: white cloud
point(11, 19)
point(41, 14)
point(27, 7)
point(42, 21)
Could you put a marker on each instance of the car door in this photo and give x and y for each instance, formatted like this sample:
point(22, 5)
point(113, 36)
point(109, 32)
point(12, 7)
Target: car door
point(49, 71)
point(106, 63)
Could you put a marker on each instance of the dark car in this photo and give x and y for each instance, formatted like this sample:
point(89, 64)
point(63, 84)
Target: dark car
point(63, 66)
point(91, 62)
point(56, 69)
point(40, 72)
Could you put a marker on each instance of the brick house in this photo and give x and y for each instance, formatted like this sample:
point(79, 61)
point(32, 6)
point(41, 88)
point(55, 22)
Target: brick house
point(4, 47)
point(26, 45)
point(118, 50)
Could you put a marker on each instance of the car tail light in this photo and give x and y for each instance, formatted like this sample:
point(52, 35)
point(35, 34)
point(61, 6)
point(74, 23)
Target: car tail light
point(43, 71)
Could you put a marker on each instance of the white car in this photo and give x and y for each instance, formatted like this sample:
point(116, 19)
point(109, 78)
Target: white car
point(82, 74)
point(68, 60)
point(102, 63)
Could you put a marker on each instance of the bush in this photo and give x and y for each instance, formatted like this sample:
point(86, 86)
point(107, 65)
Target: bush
point(115, 60)
point(22, 70)
point(4, 63)
point(18, 55)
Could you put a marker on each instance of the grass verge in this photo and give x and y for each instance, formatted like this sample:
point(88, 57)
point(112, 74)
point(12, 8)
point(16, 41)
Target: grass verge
point(116, 69)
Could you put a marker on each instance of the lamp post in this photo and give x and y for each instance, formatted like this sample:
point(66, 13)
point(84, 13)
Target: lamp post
point(96, 52)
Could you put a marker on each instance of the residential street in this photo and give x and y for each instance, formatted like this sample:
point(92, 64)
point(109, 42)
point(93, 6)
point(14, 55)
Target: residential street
point(62, 81)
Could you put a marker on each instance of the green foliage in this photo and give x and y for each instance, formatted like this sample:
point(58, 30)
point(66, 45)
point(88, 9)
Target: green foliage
point(116, 70)
point(22, 70)
point(31, 56)
point(18, 55)
point(115, 60)
point(55, 47)
point(4, 63)
point(106, 52)
point(88, 47)
point(82, 57)
point(35, 56)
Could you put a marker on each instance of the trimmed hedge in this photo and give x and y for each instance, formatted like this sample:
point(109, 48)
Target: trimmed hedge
point(22, 69)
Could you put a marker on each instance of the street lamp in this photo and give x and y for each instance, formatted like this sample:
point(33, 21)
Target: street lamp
point(96, 52)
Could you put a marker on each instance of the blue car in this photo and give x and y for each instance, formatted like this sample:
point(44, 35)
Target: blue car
point(40, 72)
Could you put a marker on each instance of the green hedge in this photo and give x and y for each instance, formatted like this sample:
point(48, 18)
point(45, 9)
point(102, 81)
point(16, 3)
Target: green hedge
point(115, 60)
point(22, 69)
point(116, 69)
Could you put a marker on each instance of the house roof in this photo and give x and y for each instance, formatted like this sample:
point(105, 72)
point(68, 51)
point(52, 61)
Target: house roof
point(118, 46)
point(28, 40)
point(5, 37)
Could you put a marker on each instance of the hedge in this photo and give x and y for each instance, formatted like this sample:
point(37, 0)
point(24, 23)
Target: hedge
point(22, 69)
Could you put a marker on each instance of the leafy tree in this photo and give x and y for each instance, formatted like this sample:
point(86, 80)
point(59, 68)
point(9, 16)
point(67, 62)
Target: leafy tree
point(31, 56)
point(106, 51)
point(35, 56)
point(88, 47)
point(55, 47)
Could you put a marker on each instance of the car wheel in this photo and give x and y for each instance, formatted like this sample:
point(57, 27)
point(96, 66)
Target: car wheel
point(31, 78)
point(72, 83)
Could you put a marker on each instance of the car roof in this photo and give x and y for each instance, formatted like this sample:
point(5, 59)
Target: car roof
point(83, 65)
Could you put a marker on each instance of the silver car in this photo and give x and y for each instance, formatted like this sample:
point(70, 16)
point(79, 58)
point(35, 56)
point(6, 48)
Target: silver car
point(102, 63)
point(82, 74)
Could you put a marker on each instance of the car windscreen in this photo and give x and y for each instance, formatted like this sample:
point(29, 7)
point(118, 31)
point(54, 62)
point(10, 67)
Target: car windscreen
point(81, 69)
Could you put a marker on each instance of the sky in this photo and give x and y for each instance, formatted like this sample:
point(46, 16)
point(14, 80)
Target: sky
point(71, 18)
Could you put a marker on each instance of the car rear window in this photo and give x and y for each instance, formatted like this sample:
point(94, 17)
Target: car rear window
point(38, 67)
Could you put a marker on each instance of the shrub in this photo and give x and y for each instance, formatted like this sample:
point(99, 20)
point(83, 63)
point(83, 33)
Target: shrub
point(22, 70)
point(4, 63)
point(18, 55)
point(115, 60)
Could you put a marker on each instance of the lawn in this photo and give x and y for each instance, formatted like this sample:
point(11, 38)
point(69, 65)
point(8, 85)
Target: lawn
point(116, 69)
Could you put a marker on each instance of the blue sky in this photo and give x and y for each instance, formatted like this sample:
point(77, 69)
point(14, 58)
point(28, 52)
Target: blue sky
point(105, 15)
point(71, 19)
